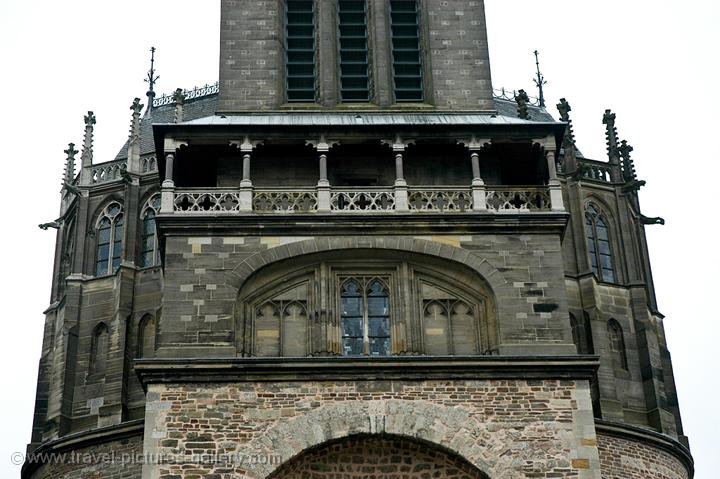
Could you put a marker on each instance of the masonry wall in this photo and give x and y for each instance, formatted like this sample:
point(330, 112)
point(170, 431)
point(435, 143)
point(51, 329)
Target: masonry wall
point(626, 459)
point(505, 428)
point(112, 460)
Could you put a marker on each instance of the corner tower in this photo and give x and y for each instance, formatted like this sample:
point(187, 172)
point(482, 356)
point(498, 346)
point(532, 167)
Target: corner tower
point(350, 247)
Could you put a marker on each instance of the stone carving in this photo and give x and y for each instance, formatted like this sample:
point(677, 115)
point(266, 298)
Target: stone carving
point(522, 99)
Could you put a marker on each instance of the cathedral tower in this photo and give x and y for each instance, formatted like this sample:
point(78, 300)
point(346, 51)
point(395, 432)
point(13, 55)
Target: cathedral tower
point(351, 258)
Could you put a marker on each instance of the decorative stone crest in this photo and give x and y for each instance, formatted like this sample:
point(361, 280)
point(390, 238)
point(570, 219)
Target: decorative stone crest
point(522, 99)
point(611, 135)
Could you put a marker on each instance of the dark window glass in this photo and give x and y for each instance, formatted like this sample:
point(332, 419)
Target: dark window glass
point(353, 39)
point(407, 65)
point(598, 241)
point(365, 312)
point(109, 236)
point(300, 52)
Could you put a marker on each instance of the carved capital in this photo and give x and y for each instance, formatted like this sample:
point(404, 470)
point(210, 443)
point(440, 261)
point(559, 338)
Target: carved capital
point(474, 143)
point(246, 145)
point(171, 145)
point(398, 145)
point(322, 145)
point(548, 143)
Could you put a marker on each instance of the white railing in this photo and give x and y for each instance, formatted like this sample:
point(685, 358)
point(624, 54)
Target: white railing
point(518, 198)
point(511, 199)
point(284, 201)
point(105, 172)
point(363, 199)
point(440, 199)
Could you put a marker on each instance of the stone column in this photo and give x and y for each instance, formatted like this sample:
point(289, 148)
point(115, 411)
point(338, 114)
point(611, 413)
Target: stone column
point(400, 187)
point(556, 198)
point(167, 195)
point(246, 187)
point(478, 185)
point(323, 186)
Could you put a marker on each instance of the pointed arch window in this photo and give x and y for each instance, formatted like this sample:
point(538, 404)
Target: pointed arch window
point(599, 248)
point(99, 350)
point(365, 317)
point(617, 343)
point(150, 254)
point(109, 234)
point(146, 337)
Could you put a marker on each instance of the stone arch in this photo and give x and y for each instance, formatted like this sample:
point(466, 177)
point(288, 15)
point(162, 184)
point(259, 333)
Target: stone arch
point(451, 429)
point(250, 265)
point(378, 455)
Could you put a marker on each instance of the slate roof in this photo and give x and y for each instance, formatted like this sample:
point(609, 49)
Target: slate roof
point(202, 111)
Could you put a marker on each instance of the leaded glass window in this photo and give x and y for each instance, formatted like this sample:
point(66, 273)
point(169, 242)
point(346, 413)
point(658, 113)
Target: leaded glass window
point(407, 65)
point(150, 253)
point(354, 62)
point(365, 317)
point(109, 236)
point(300, 51)
point(599, 248)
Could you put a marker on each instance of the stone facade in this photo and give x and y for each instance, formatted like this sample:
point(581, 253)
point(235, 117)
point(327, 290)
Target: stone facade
point(547, 423)
point(434, 288)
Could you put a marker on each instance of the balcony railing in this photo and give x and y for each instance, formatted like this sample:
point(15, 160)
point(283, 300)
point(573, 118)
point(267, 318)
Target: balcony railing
point(342, 200)
point(109, 171)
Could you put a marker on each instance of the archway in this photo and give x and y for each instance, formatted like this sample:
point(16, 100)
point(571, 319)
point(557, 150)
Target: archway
point(377, 456)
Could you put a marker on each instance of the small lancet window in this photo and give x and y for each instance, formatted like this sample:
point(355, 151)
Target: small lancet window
point(617, 343)
point(109, 234)
point(365, 316)
point(99, 350)
point(598, 240)
point(146, 337)
point(150, 254)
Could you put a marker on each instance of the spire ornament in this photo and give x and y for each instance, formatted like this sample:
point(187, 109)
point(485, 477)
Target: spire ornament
point(539, 80)
point(151, 80)
point(87, 151)
point(611, 135)
point(134, 140)
point(628, 166)
point(179, 99)
point(69, 175)
point(522, 99)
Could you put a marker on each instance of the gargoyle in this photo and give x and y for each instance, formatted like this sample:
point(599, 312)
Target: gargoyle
point(651, 221)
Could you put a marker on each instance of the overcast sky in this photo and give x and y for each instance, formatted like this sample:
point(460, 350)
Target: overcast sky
point(655, 63)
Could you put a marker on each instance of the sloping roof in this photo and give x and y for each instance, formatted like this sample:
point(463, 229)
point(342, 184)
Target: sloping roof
point(201, 111)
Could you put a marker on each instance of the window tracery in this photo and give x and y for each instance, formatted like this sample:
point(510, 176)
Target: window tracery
point(599, 247)
point(109, 234)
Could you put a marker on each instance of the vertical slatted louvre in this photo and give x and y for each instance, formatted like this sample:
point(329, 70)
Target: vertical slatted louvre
point(300, 60)
point(407, 66)
point(354, 80)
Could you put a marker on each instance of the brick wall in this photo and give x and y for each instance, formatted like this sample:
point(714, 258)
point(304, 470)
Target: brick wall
point(625, 459)
point(504, 428)
point(112, 460)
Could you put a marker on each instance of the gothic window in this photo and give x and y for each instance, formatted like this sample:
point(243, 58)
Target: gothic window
point(354, 55)
point(99, 350)
point(598, 240)
point(300, 51)
point(109, 235)
point(146, 337)
point(365, 317)
point(150, 253)
point(407, 66)
point(617, 343)
point(364, 307)
point(68, 247)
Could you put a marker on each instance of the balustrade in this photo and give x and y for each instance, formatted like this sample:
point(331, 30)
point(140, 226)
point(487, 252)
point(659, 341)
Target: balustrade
point(105, 172)
point(518, 198)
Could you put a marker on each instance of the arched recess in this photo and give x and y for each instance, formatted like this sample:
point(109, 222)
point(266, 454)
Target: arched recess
point(146, 337)
point(365, 302)
point(449, 429)
point(378, 455)
point(99, 350)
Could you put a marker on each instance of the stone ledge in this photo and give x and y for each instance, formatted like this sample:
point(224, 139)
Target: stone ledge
point(643, 435)
point(79, 440)
point(415, 368)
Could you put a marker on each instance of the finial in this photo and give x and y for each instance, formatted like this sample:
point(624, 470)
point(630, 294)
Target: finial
point(540, 80)
point(70, 163)
point(151, 79)
point(522, 99)
point(564, 109)
point(87, 150)
point(179, 99)
point(628, 166)
point(611, 135)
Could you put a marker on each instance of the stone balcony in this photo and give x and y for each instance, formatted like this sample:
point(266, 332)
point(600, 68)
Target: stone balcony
point(359, 200)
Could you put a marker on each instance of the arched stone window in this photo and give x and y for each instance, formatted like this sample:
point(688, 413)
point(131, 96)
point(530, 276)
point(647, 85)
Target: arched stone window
point(109, 236)
point(149, 254)
point(616, 342)
point(99, 350)
point(370, 304)
point(599, 245)
point(146, 337)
